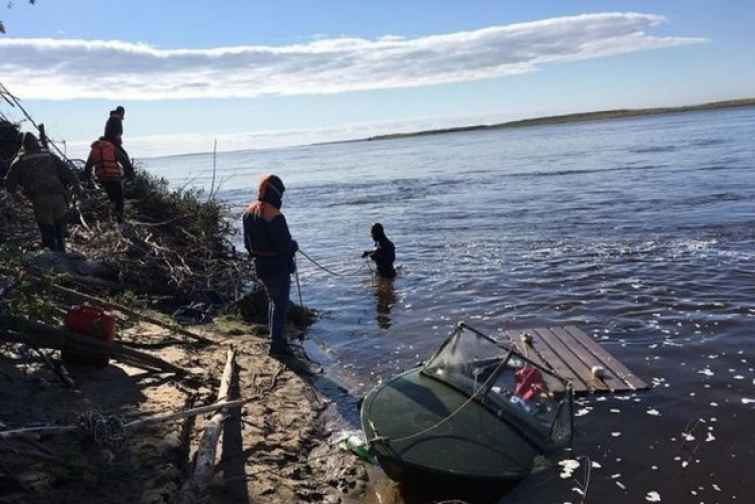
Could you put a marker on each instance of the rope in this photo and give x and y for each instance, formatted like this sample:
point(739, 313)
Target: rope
point(329, 271)
point(298, 283)
point(458, 410)
point(104, 430)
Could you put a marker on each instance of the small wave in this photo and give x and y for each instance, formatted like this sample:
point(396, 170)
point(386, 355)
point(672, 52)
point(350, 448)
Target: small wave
point(558, 173)
point(713, 198)
point(653, 149)
point(704, 142)
point(720, 168)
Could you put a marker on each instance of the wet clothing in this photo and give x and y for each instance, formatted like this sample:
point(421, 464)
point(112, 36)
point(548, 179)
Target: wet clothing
point(268, 241)
point(384, 256)
point(46, 181)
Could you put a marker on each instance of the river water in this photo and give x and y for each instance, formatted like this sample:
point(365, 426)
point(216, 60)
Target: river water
point(640, 231)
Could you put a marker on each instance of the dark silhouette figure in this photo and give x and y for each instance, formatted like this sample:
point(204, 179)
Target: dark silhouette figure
point(384, 254)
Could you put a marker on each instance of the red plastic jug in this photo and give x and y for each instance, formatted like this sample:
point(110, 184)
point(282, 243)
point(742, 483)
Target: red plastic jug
point(529, 383)
point(92, 322)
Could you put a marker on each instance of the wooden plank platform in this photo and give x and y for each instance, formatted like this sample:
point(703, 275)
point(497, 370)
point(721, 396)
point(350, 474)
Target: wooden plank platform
point(572, 354)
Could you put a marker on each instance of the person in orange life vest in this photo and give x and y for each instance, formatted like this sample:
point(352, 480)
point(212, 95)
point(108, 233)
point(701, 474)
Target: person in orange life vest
point(46, 180)
point(268, 240)
point(110, 165)
point(384, 254)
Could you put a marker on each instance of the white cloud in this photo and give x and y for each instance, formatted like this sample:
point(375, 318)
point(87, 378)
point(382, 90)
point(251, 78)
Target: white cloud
point(61, 69)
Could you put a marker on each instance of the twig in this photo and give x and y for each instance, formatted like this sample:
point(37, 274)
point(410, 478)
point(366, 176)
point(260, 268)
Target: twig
point(128, 311)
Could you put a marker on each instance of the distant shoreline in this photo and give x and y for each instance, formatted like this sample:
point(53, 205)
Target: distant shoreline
point(601, 115)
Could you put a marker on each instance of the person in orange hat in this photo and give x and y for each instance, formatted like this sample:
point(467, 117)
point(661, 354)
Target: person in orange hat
point(269, 242)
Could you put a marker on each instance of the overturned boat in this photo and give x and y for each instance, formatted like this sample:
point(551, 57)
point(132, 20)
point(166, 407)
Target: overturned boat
point(478, 409)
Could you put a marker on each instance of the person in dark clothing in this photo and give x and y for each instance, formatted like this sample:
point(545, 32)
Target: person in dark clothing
point(114, 125)
point(385, 253)
point(114, 129)
point(268, 240)
point(110, 166)
point(46, 180)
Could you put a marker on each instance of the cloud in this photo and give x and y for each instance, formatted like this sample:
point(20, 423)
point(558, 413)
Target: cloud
point(60, 69)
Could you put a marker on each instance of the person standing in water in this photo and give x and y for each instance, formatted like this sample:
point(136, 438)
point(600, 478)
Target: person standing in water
point(384, 254)
point(269, 242)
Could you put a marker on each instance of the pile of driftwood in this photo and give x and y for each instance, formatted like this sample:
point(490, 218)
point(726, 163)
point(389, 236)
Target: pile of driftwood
point(175, 244)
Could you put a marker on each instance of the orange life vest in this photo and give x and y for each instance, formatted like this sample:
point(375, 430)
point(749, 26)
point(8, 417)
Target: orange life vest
point(105, 162)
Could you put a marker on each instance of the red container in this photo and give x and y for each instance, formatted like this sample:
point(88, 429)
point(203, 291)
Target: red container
point(92, 322)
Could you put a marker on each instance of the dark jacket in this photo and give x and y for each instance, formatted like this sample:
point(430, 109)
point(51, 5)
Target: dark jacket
point(41, 174)
point(46, 181)
point(384, 256)
point(114, 128)
point(266, 235)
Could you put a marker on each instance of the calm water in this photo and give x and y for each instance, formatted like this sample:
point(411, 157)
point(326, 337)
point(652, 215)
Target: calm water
point(640, 231)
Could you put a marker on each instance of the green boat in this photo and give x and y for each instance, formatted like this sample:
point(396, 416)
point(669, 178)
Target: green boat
point(468, 413)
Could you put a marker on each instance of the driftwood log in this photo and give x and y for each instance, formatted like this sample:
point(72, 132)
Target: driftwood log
point(194, 490)
point(128, 311)
point(129, 426)
point(35, 334)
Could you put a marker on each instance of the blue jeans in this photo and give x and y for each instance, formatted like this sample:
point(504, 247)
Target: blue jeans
point(278, 289)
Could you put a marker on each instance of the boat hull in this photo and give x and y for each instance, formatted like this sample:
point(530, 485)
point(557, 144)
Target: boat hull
point(417, 425)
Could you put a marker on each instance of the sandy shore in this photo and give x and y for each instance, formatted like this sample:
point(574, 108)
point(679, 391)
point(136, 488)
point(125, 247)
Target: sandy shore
point(274, 449)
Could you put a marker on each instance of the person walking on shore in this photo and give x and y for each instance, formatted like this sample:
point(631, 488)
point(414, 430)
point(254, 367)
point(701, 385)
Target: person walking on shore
point(46, 180)
point(269, 242)
point(110, 166)
point(114, 129)
point(114, 125)
point(384, 254)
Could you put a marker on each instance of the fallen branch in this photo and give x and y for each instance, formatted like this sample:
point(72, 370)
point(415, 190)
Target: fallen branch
point(194, 490)
point(17, 330)
point(56, 368)
point(128, 311)
point(129, 426)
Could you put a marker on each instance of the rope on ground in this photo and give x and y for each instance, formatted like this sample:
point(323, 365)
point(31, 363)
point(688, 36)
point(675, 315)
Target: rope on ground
point(334, 273)
point(104, 430)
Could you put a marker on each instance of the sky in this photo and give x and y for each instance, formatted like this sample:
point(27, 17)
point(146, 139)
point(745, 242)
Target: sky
point(268, 74)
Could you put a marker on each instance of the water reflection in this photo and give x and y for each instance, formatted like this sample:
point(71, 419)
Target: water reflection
point(385, 296)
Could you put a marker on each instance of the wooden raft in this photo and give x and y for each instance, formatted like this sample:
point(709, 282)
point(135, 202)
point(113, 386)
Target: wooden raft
point(574, 355)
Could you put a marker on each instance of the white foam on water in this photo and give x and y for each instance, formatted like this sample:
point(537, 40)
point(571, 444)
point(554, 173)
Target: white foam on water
point(653, 496)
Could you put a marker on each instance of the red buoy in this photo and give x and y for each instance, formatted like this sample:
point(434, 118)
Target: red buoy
point(92, 322)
